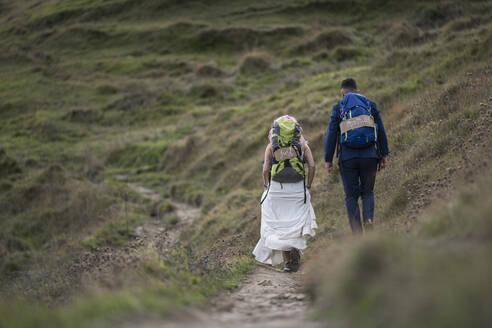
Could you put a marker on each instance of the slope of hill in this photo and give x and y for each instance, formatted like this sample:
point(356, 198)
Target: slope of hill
point(178, 96)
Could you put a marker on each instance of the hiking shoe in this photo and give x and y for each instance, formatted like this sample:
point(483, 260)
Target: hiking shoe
point(295, 259)
point(368, 225)
point(288, 267)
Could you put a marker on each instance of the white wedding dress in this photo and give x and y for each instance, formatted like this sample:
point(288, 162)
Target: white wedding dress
point(285, 221)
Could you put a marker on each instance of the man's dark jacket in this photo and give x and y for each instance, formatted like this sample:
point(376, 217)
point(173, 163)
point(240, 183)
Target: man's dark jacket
point(347, 153)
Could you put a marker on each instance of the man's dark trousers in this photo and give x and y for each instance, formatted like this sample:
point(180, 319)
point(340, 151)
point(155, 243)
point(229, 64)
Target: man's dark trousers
point(359, 176)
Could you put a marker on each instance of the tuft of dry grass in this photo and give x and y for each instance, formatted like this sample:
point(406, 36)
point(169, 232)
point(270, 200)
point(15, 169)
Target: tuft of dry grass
point(209, 70)
point(255, 62)
point(403, 34)
point(326, 40)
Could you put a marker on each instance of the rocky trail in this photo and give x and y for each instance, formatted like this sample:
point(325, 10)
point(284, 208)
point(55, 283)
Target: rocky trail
point(267, 298)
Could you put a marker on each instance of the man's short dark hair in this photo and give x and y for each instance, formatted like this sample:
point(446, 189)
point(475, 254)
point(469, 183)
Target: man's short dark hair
point(349, 84)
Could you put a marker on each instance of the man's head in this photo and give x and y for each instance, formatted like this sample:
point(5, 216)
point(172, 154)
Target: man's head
point(348, 85)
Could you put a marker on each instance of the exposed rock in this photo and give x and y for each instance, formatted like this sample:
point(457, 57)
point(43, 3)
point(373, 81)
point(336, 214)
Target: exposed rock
point(265, 283)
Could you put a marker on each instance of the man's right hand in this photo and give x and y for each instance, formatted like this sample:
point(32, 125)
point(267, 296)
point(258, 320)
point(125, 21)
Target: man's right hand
point(329, 167)
point(382, 163)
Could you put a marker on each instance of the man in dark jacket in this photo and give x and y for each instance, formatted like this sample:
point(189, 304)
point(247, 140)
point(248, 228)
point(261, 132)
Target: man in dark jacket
point(358, 166)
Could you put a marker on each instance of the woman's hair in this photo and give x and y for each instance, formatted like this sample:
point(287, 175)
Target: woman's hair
point(302, 140)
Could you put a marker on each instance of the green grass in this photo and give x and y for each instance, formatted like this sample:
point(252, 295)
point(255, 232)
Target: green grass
point(85, 97)
point(435, 278)
point(172, 284)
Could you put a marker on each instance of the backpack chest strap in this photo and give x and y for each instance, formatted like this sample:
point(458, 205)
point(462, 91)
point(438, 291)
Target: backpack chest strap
point(356, 122)
point(282, 154)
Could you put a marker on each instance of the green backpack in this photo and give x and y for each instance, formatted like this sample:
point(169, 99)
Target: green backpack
point(287, 159)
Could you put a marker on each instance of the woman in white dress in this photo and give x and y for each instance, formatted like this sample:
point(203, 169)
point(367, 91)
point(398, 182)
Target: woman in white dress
point(287, 216)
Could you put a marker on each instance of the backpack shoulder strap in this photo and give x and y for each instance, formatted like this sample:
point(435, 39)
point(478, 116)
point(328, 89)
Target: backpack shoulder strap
point(275, 133)
point(341, 110)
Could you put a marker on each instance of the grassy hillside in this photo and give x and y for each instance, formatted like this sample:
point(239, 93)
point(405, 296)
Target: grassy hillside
point(179, 95)
point(436, 277)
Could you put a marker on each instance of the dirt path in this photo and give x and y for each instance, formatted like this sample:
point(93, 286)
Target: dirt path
point(267, 298)
point(153, 232)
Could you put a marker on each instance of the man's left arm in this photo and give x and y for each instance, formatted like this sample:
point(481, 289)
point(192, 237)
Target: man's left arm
point(382, 138)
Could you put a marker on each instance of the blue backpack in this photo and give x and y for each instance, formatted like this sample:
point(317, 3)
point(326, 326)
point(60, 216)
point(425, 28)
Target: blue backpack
point(357, 126)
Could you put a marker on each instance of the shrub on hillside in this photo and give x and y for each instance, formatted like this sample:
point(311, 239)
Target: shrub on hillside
point(347, 53)
point(207, 91)
point(160, 208)
point(241, 38)
point(405, 35)
point(464, 23)
point(8, 165)
point(172, 68)
point(131, 101)
point(325, 41)
point(209, 70)
point(436, 14)
point(254, 63)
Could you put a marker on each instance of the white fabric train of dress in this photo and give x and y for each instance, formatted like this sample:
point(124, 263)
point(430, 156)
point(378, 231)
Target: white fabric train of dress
point(285, 221)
